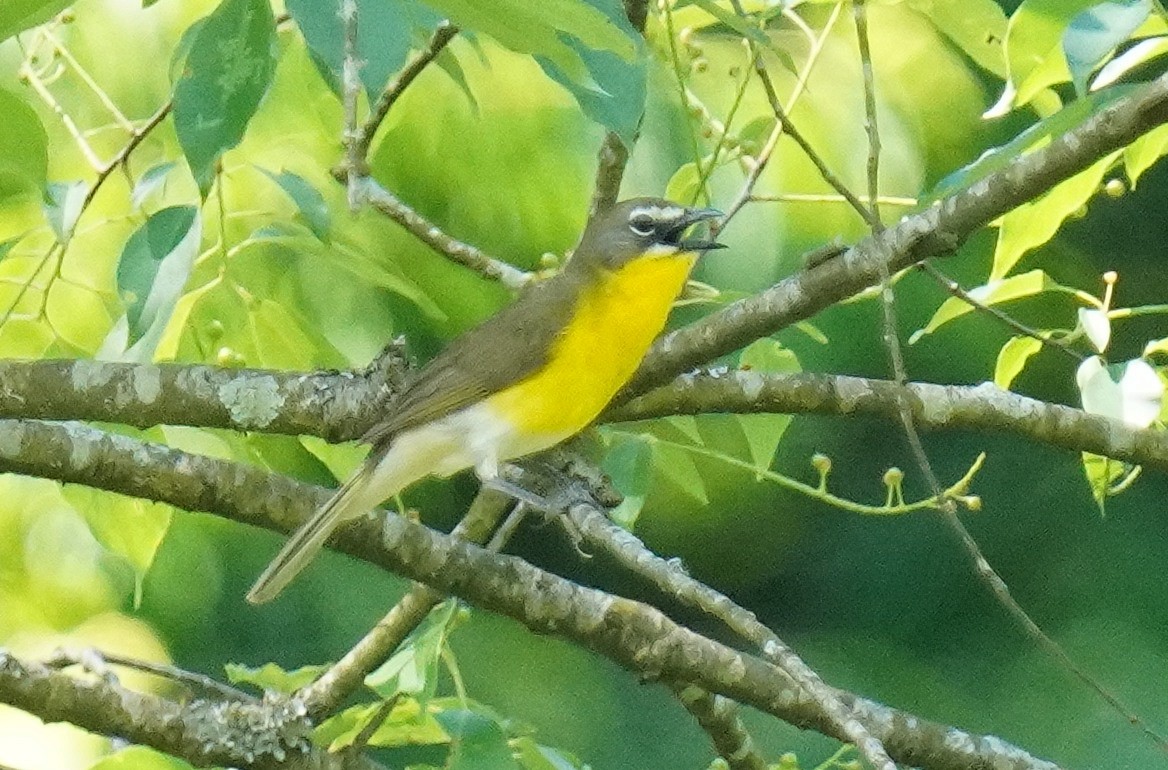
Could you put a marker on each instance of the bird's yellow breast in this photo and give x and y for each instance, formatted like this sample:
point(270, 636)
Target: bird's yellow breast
point(615, 320)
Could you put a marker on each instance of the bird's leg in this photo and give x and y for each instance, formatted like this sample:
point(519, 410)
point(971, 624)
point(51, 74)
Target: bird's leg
point(518, 493)
point(488, 473)
point(487, 469)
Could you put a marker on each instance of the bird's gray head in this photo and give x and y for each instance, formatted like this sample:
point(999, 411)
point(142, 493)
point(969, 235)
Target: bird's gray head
point(642, 227)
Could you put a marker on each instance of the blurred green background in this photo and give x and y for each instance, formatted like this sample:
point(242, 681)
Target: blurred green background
point(888, 607)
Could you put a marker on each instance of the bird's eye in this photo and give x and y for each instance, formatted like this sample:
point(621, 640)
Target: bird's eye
point(642, 224)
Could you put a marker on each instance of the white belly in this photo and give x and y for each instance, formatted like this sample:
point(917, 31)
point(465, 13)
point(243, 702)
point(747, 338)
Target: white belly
point(475, 437)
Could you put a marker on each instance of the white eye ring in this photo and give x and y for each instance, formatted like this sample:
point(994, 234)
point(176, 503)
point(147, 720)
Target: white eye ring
point(642, 224)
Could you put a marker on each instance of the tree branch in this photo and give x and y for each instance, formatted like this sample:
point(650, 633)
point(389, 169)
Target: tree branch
point(634, 635)
point(985, 408)
point(258, 736)
point(397, 86)
point(324, 695)
point(338, 406)
point(430, 234)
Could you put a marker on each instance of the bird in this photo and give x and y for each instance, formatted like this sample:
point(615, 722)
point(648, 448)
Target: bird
point(534, 374)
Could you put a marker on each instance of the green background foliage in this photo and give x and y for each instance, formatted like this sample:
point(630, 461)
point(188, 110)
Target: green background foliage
point(497, 145)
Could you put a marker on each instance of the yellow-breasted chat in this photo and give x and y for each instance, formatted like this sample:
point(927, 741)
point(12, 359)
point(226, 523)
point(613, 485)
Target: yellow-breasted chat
point(529, 377)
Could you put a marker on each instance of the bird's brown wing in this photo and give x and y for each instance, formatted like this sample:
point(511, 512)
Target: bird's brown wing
point(505, 349)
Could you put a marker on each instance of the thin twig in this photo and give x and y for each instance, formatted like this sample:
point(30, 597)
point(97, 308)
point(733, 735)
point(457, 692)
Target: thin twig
point(1001, 592)
point(351, 84)
point(93, 660)
point(355, 172)
point(613, 155)
point(724, 133)
point(871, 126)
point(782, 123)
point(957, 291)
point(886, 200)
point(370, 728)
point(28, 75)
point(612, 158)
point(785, 126)
point(397, 86)
point(137, 136)
point(429, 233)
point(62, 51)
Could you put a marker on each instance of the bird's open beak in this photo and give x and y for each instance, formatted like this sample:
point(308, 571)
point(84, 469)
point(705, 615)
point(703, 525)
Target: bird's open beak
point(692, 217)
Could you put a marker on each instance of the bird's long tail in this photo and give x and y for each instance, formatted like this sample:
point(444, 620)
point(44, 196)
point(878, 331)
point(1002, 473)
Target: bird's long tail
point(350, 501)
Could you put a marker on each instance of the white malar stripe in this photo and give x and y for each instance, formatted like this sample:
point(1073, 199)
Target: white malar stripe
point(661, 250)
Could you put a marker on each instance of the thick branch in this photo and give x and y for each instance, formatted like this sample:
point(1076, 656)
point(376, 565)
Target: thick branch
point(984, 407)
point(337, 406)
point(633, 634)
point(204, 733)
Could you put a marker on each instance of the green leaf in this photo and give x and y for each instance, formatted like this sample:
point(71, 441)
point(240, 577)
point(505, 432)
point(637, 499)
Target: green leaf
point(477, 741)
point(139, 758)
point(8, 245)
point(628, 463)
point(544, 29)
point(756, 131)
point(1034, 51)
point(813, 332)
point(24, 154)
point(976, 27)
point(536, 756)
point(167, 348)
point(386, 31)
point(1131, 392)
point(271, 677)
point(683, 185)
point(227, 73)
point(340, 459)
point(993, 293)
point(309, 202)
point(615, 97)
point(129, 527)
point(1012, 359)
point(408, 724)
point(1139, 156)
point(62, 205)
point(676, 466)
point(390, 277)
point(154, 267)
point(151, 181)
point(19, 15)
point(413, 669)
point(182, 49)
point(1107, 477)
point(743, 26)
point(764, 431)
point(1094, 33)
point(1032, 138)
point(448, 63)
point(283, 339)
point(1033, 224)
